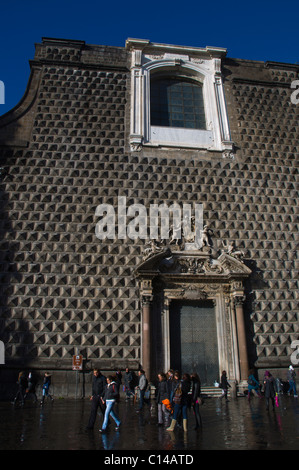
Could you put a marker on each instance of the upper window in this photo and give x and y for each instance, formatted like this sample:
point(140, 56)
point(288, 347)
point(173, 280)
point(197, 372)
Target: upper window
point(177, 97)
point(177, 103)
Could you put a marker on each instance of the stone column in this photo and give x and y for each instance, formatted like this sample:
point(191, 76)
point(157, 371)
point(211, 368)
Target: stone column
point(146, 335)
point(241, 332)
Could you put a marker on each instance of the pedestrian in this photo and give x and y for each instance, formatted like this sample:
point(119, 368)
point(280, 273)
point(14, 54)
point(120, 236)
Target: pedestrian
point(181, 399)
point(118, 376)
point(196, 398)
point(224, 384)
point(269, 389)
point(253, 386)
point(291, 378)
point(170, 378)
point(22, 387)
point(31, 389)
point(129, 388)
point(46, 388)
point(98, 388)
point(110, 397)
point(162, 394)
point(174, 383)
point(143, 383)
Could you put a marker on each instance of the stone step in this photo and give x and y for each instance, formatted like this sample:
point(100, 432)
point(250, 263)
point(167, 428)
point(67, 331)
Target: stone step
point(212, 391)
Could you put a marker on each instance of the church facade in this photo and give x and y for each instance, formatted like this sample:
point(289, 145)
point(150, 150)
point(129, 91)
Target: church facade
point(149, 213)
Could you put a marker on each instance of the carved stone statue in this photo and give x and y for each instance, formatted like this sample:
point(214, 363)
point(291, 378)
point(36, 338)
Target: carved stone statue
point(231, 250)
point(206, 233)
point(154, 247)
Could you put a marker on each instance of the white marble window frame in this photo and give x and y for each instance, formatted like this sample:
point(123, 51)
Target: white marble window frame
point(207, 71)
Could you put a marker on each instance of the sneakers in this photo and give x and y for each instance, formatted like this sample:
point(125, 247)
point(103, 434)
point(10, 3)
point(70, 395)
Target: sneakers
point(103, 431)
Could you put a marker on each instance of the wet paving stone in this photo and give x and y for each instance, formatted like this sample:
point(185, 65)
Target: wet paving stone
point(236, 425)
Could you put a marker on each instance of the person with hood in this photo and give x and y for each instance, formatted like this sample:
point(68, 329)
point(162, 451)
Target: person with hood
point(98, 387)
point(110, 397)
point(269, 389)
point(253, 385)
point(291, 378)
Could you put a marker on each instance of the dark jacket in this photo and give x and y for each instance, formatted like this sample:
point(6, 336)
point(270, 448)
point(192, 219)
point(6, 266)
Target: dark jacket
point(224, 384)
point(186, 396)
point(111, 391)
point(162, 392)
point(128, 379)
point(269, 387)
point(98, 385)
point(196, 390)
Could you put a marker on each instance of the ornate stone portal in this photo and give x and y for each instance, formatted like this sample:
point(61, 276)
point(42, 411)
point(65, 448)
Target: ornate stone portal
point(170, 275)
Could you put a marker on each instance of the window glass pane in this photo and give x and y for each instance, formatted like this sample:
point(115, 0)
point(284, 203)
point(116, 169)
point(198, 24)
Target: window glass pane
point(177, 103)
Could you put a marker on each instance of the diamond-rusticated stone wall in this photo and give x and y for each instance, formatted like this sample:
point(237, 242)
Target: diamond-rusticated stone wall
point(65, 150)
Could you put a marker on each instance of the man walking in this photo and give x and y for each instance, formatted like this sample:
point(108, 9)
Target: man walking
point(143, 382)
point(98, 388)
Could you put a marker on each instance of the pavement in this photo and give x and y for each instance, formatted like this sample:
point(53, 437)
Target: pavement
point(233, 425)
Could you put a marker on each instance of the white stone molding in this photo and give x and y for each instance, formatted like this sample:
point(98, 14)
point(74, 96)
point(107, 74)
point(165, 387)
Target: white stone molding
point(202, 65)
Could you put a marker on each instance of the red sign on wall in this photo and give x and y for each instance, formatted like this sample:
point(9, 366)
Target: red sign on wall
point(78, 362)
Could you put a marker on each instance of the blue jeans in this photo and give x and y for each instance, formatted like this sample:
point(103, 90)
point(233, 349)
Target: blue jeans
point(109, 411)
point(178, 409)
point(292, 387)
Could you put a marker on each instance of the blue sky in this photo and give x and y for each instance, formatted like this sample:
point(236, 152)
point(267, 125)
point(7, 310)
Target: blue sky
point(258, 30)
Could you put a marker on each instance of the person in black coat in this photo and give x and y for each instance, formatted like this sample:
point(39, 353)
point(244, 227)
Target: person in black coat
point(269, 389)
point(22, 386)
point(98, 388)
point(162, 394)
point(224, 384)
point(196, 391)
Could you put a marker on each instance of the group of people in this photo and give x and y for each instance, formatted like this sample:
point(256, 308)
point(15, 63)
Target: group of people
point(175, 394)
point(271, 386)
point(27, 387)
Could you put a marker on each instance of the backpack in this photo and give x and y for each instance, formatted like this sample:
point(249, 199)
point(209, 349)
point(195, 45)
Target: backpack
point(178, 394)
point(251, 382)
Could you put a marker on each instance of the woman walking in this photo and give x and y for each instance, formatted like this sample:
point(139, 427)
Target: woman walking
point(111, 395)
point(181, 401)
